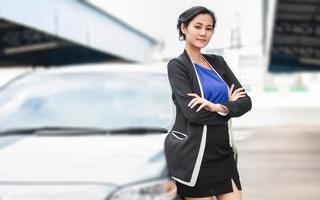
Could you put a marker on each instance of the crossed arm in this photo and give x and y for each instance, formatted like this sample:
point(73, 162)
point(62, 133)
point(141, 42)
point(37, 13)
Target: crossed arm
point(181, 85)
point(213, 114)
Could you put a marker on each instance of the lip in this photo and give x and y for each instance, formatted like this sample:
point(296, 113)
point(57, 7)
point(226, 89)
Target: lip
point(202, 40)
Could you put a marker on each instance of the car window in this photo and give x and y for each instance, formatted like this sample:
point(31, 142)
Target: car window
point(105, 100)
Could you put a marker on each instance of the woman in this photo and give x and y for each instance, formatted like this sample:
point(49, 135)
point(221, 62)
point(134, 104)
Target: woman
point(206, 94)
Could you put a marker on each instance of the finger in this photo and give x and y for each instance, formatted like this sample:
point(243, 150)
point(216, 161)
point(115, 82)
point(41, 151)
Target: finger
point(201, 106)
point(196, 102)
point(171, 193)
point(236, 97)
point(191, 102)
point(231, 88)
point(238, 90)
point(199, 100)
point(242, 93)
point(193, 94)
point(171, 190)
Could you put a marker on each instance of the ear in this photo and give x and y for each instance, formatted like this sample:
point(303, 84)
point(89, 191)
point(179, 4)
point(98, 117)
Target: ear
point(183, 28)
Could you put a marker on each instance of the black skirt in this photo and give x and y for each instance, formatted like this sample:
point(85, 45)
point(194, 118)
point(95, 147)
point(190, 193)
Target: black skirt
point(218, 168)
point(221, 187)
point(207, 186)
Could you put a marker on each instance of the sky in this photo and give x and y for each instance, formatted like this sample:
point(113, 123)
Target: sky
point(158, 19)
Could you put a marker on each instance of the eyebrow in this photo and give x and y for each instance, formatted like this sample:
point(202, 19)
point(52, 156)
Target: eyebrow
point(202, 24)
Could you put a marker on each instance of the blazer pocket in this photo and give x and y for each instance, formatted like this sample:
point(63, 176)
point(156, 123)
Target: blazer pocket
point(179, 135)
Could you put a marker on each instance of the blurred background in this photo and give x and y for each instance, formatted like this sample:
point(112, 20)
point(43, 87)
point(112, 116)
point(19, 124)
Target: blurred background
point(273, 47)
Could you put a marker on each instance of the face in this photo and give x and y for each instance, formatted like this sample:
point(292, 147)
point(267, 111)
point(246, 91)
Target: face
point(199, 31)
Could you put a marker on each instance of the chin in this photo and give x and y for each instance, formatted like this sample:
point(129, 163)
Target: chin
point(200, 46)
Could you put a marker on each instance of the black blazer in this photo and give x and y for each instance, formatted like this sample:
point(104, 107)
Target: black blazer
point(185, 141)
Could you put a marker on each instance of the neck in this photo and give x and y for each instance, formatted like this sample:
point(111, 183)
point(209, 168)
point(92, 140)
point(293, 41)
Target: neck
point(193, 52)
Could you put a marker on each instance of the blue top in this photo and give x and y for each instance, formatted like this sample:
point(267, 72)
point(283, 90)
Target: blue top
point(214, 88)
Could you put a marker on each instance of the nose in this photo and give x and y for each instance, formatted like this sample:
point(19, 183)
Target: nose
point(203, 32)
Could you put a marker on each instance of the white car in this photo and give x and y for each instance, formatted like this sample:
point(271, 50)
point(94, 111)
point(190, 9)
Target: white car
point(88, 132)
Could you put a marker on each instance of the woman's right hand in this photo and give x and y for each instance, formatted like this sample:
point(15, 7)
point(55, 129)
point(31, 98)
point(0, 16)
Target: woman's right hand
point(235, 95)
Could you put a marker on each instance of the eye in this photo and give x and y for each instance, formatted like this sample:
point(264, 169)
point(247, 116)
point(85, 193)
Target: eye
point(197, 27)
point(209, 29)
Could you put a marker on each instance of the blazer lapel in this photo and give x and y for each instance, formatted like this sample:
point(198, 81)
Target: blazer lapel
point(196, 83)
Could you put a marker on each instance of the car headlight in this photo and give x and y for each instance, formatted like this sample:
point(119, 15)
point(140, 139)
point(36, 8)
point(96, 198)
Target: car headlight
point(163, 189)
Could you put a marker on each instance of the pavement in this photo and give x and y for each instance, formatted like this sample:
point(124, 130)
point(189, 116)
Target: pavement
point(279, 162)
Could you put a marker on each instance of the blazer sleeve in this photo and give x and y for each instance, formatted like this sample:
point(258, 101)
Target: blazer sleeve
point(243, 104)
point(181, 85)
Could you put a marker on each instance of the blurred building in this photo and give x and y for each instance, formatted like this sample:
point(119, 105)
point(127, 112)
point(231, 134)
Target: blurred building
point(47, 33)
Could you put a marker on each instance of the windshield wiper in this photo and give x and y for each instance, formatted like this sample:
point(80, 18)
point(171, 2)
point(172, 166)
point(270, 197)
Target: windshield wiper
point(53, 130)
point(76, 131)
point(138, 130)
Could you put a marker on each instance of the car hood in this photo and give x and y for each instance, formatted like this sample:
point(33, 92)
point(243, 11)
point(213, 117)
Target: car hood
point(88, 166)
point(108, 159)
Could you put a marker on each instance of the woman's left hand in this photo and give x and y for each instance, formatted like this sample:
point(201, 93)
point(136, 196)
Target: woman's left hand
point(204, 103)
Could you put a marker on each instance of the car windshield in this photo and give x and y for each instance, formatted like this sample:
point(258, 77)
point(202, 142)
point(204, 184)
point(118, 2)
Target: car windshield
point(105, 100)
